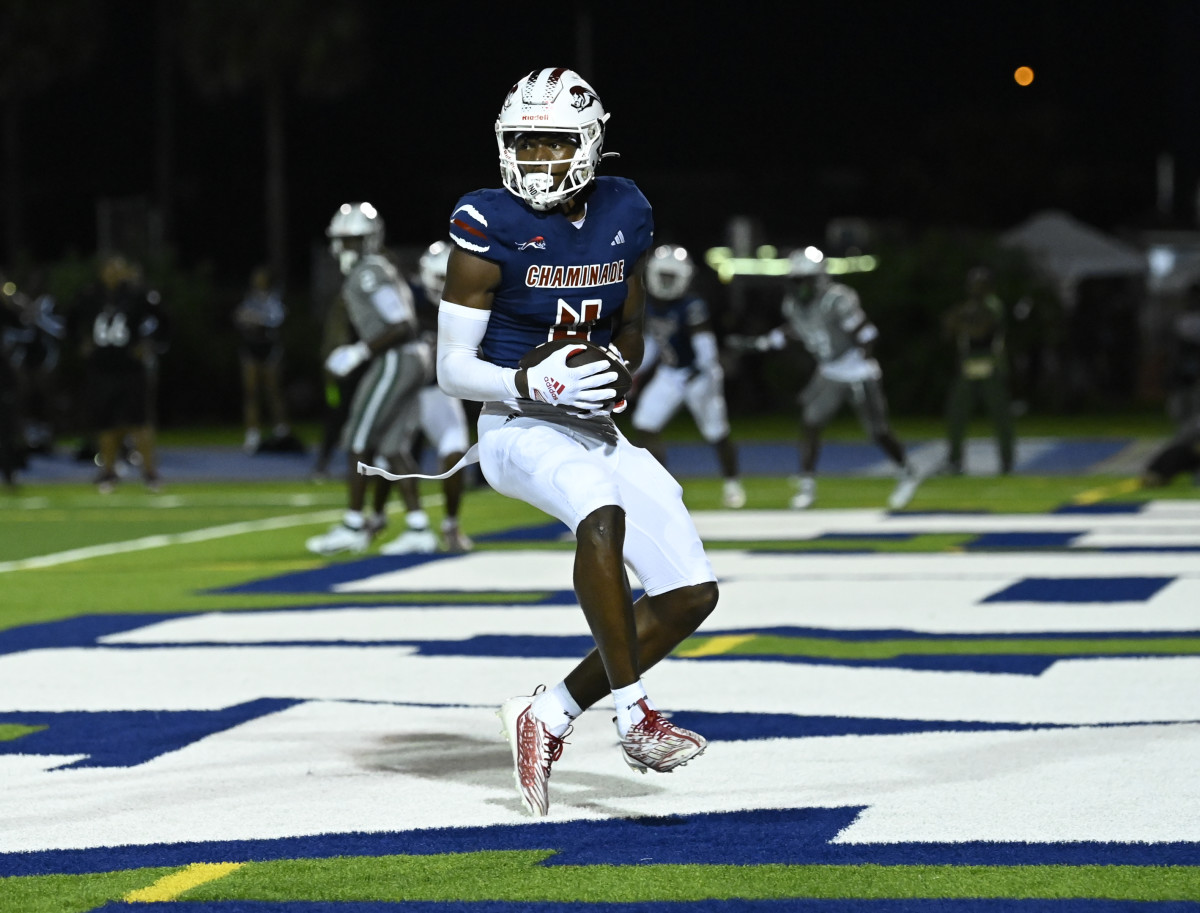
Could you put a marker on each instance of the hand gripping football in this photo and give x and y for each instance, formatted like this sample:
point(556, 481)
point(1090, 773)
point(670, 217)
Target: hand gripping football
point(588, 353)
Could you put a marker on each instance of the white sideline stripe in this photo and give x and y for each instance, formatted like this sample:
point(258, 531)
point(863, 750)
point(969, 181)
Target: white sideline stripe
point(148, 542)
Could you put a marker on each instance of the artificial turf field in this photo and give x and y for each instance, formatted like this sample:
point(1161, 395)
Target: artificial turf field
point(989, 701)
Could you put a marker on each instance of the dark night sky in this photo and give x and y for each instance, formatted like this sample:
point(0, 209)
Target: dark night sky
point(790, 113)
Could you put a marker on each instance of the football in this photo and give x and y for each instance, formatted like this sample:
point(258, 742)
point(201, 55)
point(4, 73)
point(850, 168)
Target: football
point(590, 353)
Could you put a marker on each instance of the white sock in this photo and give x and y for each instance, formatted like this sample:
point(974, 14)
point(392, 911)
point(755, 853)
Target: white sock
point(629, 714)
point(417, 519)
point(556, 708)
point(353, 519)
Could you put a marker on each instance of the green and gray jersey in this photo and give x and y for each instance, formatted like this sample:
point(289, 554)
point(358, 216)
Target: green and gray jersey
point(377, 298)
point(826, 324)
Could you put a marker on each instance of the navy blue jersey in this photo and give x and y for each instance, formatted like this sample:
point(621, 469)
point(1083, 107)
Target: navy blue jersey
point(557, 279)
point(671, 324)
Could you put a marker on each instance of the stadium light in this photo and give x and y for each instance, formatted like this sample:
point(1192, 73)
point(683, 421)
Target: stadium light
point(767, 262)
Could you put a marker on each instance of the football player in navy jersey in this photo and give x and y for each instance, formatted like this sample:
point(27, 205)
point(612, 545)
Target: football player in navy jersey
point(684, 366)
point(558, 252)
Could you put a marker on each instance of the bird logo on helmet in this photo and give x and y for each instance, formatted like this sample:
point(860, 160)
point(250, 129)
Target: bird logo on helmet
point(551, 100)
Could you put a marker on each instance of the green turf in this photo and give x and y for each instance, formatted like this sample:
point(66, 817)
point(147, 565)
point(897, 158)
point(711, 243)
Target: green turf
point(516, 876)
point(71, 893)
point(10, 732)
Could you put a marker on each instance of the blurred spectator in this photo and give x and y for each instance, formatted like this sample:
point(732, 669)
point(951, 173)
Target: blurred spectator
point(828, 319)
point(12, 447)
point(259, 322)
point(1183, 394)
point(976, 327)
point(683, 366)
point(118, 330)
point(33, 333)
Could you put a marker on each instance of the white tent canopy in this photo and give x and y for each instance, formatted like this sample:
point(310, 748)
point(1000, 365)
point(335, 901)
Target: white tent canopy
point(1068, 250)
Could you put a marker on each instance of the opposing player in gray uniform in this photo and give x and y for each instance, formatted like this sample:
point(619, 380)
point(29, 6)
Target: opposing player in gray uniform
point(828, 319)
point(384, 411)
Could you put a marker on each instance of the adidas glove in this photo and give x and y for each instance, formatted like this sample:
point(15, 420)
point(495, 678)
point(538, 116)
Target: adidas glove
point(553, 381)
point(344, 359)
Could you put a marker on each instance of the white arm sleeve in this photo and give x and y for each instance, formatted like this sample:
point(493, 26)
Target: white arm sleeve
point(460, 370)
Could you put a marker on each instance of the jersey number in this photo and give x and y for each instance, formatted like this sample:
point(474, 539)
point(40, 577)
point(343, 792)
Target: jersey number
point(110, 330)
point(570, 323)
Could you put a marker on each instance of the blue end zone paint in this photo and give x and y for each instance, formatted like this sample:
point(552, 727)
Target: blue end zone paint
point(786, 905)
point(733, 727)
point(1101, 508)
point(546, 532)
point(1081, 589)
point(790, 836)
point(1067, 456)
point(126, 738)
point(88, 631)
point(1023, 540)
point(84, 631)
point(324, 579)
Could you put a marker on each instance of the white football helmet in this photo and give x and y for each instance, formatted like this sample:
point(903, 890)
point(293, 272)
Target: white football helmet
point(551, 100)
point(432, 267)
point(807, 262)
point(669, 272)
point(354, 220)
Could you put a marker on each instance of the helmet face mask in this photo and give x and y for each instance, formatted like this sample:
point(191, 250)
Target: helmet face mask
point(669, 272)
point(806, 273)
point(546, 102)
point(432, 268)
point(355, 230)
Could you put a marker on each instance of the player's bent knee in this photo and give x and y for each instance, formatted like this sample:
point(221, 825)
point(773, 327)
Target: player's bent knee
point(604, 527)
point(689, 606)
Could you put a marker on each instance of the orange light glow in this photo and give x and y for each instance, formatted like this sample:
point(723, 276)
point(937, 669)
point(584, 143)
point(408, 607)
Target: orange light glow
point(1023, 76)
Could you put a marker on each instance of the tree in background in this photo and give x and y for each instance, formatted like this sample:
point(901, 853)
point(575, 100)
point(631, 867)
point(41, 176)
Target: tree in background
point(274, 48)
point(42, 42)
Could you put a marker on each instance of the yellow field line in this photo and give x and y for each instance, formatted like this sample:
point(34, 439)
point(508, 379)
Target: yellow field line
point(169, 887)
point(1094, 495)
point(715, 646)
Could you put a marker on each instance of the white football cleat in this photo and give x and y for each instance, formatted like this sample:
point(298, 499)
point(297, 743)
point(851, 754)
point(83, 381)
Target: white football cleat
point(733, 496)
point(412, 542)
point(340, 538)
point(906, 487)
point(534, 749)
point(656, 743)
point(806, 495)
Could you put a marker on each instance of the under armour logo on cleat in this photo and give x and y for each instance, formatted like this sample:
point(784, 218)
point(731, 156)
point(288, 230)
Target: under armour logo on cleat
point(619, 239)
